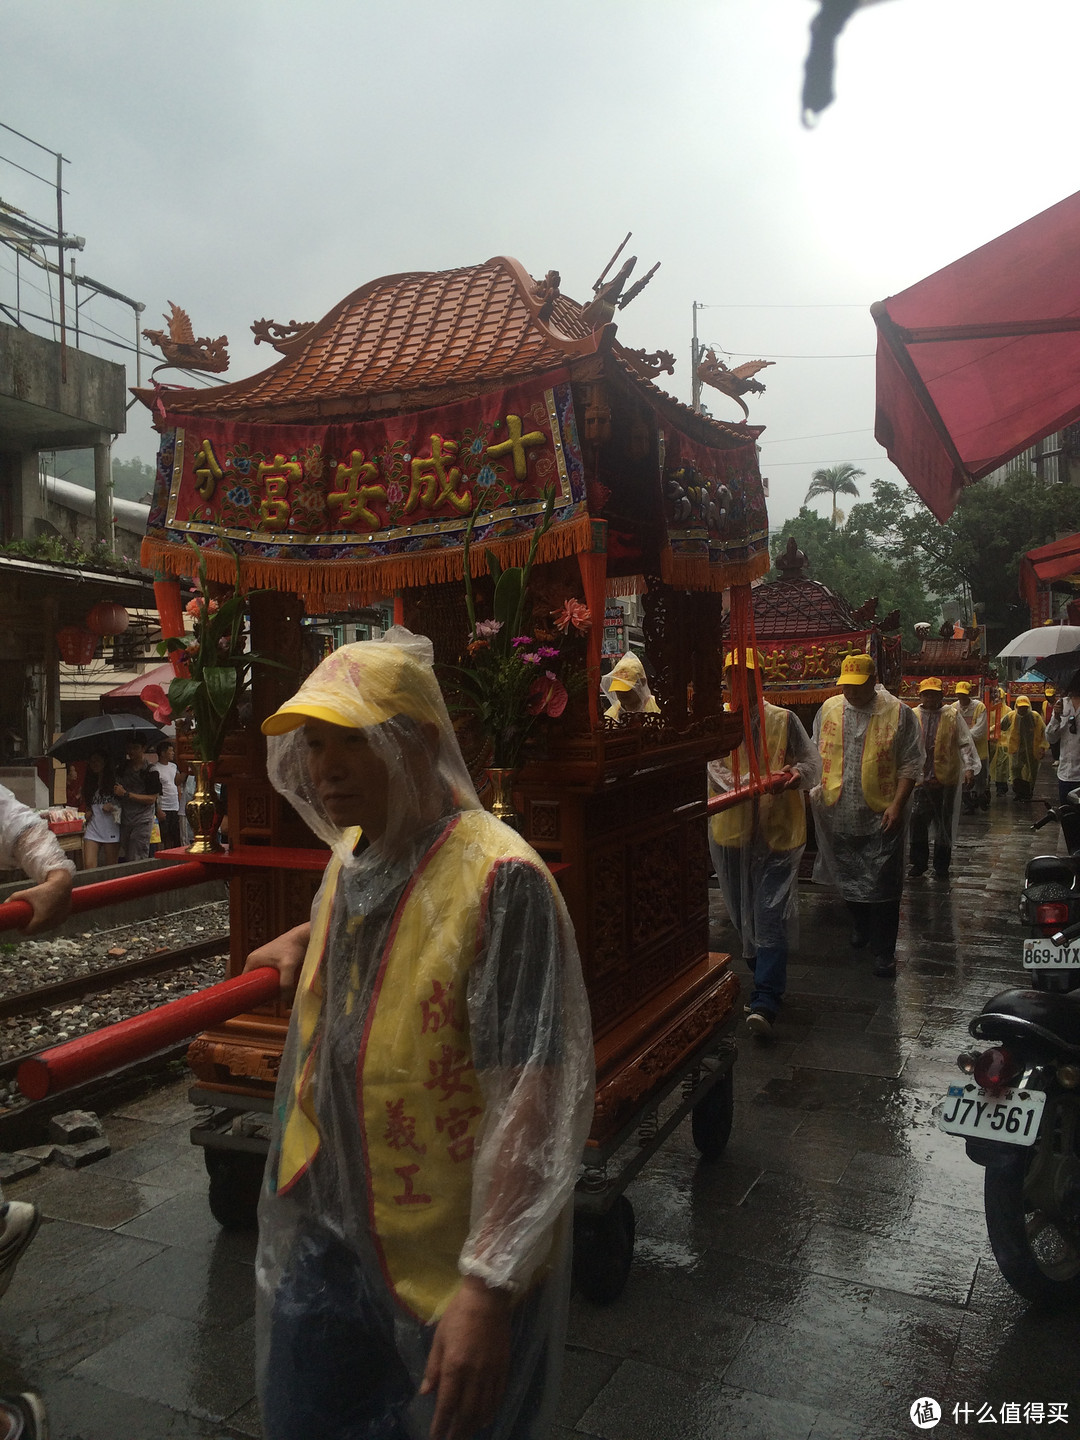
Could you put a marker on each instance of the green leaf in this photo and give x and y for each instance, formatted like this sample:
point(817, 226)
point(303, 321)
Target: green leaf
point(182, 693)
point(507, 602)
point(220, 682)
point(494, 566)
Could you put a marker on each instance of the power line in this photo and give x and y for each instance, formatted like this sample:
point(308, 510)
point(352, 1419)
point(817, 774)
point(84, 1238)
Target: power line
point(852, 460)
point(757, 355)
point(821, 435)
point(849, 305)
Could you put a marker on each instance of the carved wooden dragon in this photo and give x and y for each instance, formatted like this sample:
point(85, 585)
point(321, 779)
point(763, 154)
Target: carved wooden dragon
point(734, 383)
point(182, 350)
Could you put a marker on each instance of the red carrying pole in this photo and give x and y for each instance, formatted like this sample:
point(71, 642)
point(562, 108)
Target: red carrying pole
point(17, 913)
point(731, 798)
point(89, 1056)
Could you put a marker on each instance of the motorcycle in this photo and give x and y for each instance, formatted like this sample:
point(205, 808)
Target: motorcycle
point(1050, 902)
point(1018, 1113)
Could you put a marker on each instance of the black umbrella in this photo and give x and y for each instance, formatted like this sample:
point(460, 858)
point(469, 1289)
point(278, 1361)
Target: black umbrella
point(104, 732)
point(1059, 669)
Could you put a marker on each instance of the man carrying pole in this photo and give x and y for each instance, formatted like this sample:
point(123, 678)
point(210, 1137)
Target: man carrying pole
point(756, 846)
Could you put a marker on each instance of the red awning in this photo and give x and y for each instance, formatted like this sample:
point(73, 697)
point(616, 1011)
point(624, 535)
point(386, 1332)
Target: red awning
point(1046, 563)
point(982, 359)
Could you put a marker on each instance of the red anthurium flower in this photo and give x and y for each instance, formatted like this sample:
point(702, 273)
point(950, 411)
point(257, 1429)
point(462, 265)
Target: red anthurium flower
point(158, 701)
point(547, 696)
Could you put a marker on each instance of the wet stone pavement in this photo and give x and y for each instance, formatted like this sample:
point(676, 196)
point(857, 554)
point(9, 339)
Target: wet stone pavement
point(831, 1268)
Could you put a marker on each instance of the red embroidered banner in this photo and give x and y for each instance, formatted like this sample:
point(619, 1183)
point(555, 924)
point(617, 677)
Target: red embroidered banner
point(361, 509)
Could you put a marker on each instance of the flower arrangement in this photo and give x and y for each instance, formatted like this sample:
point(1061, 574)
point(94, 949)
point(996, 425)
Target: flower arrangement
point(215, 660)
point(513, 678)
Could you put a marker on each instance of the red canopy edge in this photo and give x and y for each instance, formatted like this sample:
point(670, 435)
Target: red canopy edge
point(1047, 563)
point(980, 360)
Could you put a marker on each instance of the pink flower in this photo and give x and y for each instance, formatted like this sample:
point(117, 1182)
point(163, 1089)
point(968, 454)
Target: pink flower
point(547, 696)
point(572, 613)
point(529, 657)
point(486, 629)
point(154, 696)
point(546, 652)
point(520, 640)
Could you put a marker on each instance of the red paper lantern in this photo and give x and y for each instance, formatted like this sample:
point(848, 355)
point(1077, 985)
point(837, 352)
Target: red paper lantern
point(76, 645)
point(108, 618)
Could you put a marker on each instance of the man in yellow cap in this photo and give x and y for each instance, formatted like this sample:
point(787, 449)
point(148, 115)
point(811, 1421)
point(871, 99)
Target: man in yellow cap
point(627, 688)
point(998, 718)
point(1027, 746)
point(950, 761)
point(757, 845)
point(871, 756)
point(976, 717)
point(436, 1086)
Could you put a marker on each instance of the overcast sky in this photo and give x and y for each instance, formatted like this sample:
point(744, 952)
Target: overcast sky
point(264, 158)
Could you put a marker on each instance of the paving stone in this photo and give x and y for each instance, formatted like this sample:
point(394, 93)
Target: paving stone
point(82, 1152)
point(915, 1268)
point(83, 1196)
point(82, 1410)
point(74, 1125)
point(191, 1286)
point(17, 1163)
point(205, 1371)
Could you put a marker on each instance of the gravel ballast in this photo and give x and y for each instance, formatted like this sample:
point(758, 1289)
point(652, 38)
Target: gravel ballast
point(26, 964)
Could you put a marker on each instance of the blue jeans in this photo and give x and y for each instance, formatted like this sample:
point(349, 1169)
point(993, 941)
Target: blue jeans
point(770, 978)
point(334, 1372)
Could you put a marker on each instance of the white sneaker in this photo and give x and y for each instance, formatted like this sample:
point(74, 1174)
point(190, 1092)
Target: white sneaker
point(25, 1417)
point(20, 1223)
point(759, 1024)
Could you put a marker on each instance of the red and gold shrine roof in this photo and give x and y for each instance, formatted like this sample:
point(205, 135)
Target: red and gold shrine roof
point(421, 331)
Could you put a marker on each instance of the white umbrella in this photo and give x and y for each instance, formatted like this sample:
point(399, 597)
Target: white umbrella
point(1043, 640)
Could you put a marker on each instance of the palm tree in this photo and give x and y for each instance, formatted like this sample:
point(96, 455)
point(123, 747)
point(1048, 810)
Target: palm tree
point(835, 480)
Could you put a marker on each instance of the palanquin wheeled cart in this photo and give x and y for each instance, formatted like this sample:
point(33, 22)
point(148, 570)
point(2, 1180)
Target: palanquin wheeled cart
point(346, 473)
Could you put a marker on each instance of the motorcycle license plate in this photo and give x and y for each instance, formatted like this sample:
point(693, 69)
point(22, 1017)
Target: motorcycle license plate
point(1045, 955)
point(1012, 1116)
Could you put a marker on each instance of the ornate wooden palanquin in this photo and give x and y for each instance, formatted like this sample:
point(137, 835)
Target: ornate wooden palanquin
point(652, 499)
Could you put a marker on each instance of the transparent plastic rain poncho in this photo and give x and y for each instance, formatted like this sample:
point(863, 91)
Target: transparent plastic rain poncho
point(436, 1087)
point(757, 872)
point(863, 861)
point(26, 842)
point(1026, 743)
point(939, 806)
point(626, 688)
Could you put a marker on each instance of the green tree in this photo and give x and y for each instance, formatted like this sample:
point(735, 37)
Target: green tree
point(856, 571)
point(132, 479)
point(979, 547)
point(834, 480)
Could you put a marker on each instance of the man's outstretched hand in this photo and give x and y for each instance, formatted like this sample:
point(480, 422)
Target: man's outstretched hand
point(285, 954)
point(469, 1361)
point(50, 901)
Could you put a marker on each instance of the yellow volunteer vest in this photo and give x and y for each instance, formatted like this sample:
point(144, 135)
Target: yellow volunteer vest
point(982, 746)
point(781, 817)
point(419, 1099)
point(1038, 735)
point(878, 757)
point(947, 767)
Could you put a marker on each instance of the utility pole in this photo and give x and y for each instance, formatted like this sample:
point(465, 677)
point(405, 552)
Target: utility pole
point(695, 356)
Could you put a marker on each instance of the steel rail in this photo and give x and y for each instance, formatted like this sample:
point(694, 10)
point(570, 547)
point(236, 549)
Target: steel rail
point(78, 986)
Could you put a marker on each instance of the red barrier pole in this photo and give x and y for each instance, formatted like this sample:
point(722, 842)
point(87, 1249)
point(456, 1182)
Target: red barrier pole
point(89, 1056)
point(17, 913)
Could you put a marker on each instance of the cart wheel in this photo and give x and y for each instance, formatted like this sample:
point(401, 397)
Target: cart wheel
point(711, 1118)
point(603, 1252)
point(235, 1183)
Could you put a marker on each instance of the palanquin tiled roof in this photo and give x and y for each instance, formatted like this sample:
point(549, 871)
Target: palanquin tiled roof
point(402, 338)
point(800, 609)
point(420, 331)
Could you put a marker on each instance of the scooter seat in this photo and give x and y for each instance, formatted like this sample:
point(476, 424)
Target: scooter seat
point(1052, 870)
point(1046, 1014)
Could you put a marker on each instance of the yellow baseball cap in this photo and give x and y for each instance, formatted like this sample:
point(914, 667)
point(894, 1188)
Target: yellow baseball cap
point(359, 686)
point(855, 669)
point(963, 687)
point(746, 658)
point(626, 673)
point(1023, 700)
point(1050, 691)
